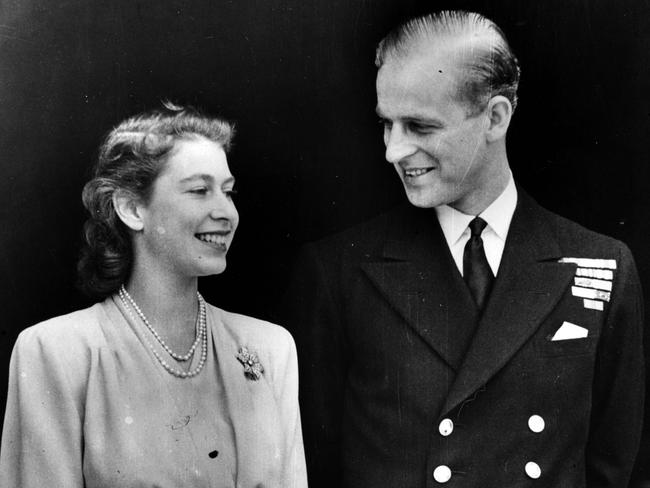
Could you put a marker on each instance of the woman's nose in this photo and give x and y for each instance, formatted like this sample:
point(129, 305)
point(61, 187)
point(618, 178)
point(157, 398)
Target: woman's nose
point(224, 208)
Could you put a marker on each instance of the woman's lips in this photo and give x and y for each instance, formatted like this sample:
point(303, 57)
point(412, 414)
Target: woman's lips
point(218, 240)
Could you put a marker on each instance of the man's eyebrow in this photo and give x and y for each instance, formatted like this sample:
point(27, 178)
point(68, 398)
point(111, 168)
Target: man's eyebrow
point(419, 119)
point(427, 119)
point(423, 119)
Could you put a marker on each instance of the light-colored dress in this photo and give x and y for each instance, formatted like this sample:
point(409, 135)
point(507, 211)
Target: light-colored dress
point(90, 406)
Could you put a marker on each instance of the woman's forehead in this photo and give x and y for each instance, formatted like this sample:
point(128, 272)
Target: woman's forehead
point(195, 158)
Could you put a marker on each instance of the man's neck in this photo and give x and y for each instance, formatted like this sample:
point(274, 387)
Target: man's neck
point(481, 198)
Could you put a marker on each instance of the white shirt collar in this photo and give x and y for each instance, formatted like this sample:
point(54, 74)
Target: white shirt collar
point(498, 216)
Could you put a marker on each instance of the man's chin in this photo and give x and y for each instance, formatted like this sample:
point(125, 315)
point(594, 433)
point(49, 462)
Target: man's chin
point(422, 199)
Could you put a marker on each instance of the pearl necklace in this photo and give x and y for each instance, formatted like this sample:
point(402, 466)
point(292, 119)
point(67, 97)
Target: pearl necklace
point(201, 336)
point(178, 357)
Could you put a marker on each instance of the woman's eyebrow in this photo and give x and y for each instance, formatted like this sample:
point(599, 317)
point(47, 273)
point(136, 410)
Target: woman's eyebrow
point(206, 178)
point(197, 176)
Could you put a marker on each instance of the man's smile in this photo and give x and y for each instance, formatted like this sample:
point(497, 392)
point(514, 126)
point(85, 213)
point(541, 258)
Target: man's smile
point(415, 172)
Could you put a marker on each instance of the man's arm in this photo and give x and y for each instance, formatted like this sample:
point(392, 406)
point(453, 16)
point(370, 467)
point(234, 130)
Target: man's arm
point(618, 391)
point(313, 314)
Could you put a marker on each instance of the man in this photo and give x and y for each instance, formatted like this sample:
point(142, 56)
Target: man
point(438, 348)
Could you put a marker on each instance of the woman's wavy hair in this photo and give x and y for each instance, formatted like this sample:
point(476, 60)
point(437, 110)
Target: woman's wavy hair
point(131, 157)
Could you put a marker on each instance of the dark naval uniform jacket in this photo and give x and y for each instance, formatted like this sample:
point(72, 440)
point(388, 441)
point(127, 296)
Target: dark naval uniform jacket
point(405, 384)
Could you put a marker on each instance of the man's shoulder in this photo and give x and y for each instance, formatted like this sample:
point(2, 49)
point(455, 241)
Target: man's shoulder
point(575, 238)
point(371, 234)
point(580, 245)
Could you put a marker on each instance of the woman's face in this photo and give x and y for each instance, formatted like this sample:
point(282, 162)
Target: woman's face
point(190, 220)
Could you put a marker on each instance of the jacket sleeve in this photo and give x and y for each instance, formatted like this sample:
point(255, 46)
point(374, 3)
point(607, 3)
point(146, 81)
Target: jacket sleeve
point(42, 433)
point(618, 390)
point(294, 469)
point(313, 314)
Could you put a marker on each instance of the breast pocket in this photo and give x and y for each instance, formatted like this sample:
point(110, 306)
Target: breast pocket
point(567, 347)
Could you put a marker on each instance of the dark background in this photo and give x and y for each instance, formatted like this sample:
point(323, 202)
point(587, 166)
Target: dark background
point(298, 78)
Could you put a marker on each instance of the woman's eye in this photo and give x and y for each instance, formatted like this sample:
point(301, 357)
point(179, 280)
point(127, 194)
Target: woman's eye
point(199, 191)
point(230, 193)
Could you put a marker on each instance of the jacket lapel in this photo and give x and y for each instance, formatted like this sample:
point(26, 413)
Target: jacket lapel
point(413, 276)
point(530, 282)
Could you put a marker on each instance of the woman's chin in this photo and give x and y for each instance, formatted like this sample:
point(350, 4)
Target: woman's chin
point(212, 269)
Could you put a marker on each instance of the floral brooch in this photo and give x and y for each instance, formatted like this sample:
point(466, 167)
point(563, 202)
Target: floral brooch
point(252, 368)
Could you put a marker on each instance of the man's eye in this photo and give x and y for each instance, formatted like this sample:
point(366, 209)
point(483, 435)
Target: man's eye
point(199, 191)
point(387, 124)
point(421, 128)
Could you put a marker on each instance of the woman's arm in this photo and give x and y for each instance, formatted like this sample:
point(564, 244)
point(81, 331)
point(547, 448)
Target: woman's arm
point(294, 469)
point(42, 433)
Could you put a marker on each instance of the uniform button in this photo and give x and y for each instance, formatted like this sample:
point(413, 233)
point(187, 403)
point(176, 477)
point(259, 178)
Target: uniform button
point(446, 427)
point(536, 423)
point(442, 474)
point(533, 470)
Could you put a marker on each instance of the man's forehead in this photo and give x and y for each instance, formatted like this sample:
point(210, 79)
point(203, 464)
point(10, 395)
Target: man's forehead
point(437, 55)
point(417, 75)
point(435, 65)
point(420, 86)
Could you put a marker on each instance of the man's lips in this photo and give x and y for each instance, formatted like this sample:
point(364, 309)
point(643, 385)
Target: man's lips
point(415, 172)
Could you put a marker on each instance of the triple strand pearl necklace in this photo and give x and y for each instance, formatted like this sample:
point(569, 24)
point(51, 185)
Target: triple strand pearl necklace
point(201, 336)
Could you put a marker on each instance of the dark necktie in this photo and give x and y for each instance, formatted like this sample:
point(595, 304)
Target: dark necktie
point(476, 270)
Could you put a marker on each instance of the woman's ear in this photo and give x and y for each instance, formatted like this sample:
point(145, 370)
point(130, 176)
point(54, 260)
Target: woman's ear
point(127, 208)
point(499, 112)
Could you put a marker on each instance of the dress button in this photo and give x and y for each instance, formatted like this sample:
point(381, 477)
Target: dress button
point(536, 423)
point(442, 474)
point(446, 427)
point(533, 470)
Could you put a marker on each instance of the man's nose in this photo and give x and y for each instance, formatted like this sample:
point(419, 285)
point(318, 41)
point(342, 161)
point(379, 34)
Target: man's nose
point(398, 145)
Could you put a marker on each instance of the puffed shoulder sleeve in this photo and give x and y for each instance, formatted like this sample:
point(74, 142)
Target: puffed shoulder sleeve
point(42, 433)
point(286, 383)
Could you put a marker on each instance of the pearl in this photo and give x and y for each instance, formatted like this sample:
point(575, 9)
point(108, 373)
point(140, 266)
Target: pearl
point(201, 336)
point(179, 357)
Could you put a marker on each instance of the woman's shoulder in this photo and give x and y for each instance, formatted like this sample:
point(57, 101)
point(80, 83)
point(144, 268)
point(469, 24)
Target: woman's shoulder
point(66, 332)
point(251, 330)
point(270, 343)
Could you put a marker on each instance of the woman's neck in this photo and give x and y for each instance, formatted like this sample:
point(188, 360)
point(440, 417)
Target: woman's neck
point(169, 303)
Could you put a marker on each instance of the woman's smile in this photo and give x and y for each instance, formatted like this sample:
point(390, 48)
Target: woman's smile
point(217, 239)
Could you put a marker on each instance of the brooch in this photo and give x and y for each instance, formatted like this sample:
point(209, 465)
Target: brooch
point(252, 368)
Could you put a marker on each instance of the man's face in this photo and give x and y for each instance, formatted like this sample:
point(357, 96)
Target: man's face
point(438, 152)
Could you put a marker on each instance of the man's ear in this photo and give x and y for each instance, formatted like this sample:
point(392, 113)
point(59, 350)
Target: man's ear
point(499, 113)
point(128, 209)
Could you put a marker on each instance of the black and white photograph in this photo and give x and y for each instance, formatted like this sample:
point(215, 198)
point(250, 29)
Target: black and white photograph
point(348, 243)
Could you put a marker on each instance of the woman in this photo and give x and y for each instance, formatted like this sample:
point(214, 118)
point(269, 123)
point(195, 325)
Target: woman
point(153, 386)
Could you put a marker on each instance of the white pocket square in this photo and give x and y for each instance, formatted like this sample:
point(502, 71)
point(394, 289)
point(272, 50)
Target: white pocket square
point(569, 331)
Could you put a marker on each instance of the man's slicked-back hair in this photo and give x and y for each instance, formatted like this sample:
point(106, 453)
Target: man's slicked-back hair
point(491, 67)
